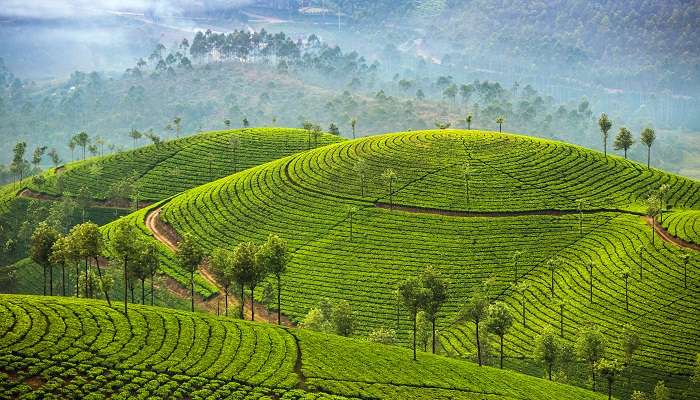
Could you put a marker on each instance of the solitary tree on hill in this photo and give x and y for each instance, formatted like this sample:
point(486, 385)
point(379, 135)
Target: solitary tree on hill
point(653, 209)
point(590, 266)
point(135, 135)
point(648, 137)
point(469, 121)
point(547, 349)
point(389, 176)
point(177, 121)
point(604, 124)
point(436, 295)
point(609, 369)
point(274, 257)
point(227, 123)
point(499, 322)
point(553, 264)
point(413, 296)
point(500, 121)
point(246, 123)
point(624, 140)
point(40, 250)
point(353, 124)
point(476, 310)
point(221, 264)
point(361, 169)
point(189, 256)
point(243, 260)
point(590, 346)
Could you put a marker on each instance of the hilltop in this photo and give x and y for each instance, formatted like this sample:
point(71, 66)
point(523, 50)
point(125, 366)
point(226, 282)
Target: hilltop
point(68, 347)
point(464, 202)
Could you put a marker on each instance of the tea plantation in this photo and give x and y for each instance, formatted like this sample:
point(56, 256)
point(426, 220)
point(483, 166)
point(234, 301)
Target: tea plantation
point(465, 202)
point(67, 348)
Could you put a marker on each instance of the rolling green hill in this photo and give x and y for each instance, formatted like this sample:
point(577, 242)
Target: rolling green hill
point(465, 202)
point(58, 347)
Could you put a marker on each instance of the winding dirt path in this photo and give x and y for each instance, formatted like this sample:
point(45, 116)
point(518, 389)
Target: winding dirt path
point(165, 234)
point(665, 235)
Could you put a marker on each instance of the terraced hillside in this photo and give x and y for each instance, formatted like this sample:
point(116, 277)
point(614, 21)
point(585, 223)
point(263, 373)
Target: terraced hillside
point(60, 348)
point(465, 202)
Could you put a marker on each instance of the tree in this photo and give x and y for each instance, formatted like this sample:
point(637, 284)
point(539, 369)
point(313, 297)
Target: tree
point(648, 137)
point(661, 392)
point(630, 342)
point(18, 162)
point(422, 330)
point(623, 141)
point(469, 121)
point(235, 143)
point(71, 145)
point(361, 168)
point(82, 139)
point(246, 123)
point(637, 395)
point(220, 262)
point(150, 259)
point(590, 266)
point(55, 157)
point(333, 129)
point(177, 121)
point(476, 311)
point(653, 208)
point(227, 123)
point(243, 260)
point(609, 369)
point(125, 248)
point(189, 256)
point(500, 121)
point(135, 135)
point(604, 124)
point(316, 134)
point(343, 318)
point(625, 274)
point(499, 322)
point(553, 264)
point(89, 242)
point(590, 346)
point(436, 295)
point(313, 320)
point(516, 257)
point(274, 257)
point(413, 296)
point(41, 248)
point(547, 349)
point(382, 335)
point(37, 156)
point(61, 253)
point(389, 176)
point(353, 124)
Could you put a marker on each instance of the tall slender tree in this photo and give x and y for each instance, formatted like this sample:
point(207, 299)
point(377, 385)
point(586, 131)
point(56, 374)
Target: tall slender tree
point(499, 322)
point(413, 297)
point(274, 256)
point(625, 275)
point(41, 249)
point(361, 169)
point(623, 141)
point(553, 265)
point(476, 310)
point(590, 346)
point(150, 257)
point(469, 121)
point(436, 295)
point(547, 349)
point(221, 264)
point(353, 124)
point(243, 260)
point(609, 369)
point(590, 266)
point(647, 138)
point(604, 123)
point(389, 176)
point(189, 256)
point(500, 121)
point(125, 249)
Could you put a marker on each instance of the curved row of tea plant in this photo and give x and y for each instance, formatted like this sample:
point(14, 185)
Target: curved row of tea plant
point(684, 224)
point(305, 199)
point(66, 348)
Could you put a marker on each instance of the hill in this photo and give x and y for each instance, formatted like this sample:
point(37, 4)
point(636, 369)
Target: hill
point(73, 347)
point(465, 201)
point(105, 184)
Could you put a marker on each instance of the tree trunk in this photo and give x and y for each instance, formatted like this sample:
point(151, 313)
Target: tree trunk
point(478, 344)
point(648, 156)
point(501, 351)
point(549, 371)
point(625, 154)
point(63, 279)
point(242, 303)
point(627, 301)
point(152, 276)
point(43, 289)
point(104, 289)
point(252, 303)
point(593, 372)
point(653, 229)
point(279, 300)
point(226, 300)
point(609, 390)
point(143, 291)
point(192, 290)
point(434, 318)
point(126, 288)
point(50, 280)
point(87, 281)
point(415, 318)
point(77, 280)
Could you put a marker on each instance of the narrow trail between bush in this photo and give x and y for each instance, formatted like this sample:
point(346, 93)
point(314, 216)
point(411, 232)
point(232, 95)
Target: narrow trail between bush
point(165, 234)
point(666, 235)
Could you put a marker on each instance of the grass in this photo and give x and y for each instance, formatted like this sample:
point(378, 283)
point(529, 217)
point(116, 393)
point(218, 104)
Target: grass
point(304, 198)
point(62, 347)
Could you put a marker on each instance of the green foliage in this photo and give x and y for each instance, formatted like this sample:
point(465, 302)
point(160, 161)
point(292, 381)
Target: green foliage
point(382, 335)
point(343, 318)
point(547, 349)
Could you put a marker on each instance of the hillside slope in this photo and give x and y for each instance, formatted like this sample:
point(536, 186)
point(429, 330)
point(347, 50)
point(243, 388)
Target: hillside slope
point(466, 201)
point(68, 347)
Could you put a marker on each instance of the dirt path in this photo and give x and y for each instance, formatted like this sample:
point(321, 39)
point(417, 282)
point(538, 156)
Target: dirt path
point(30, 194)
point(165, 234)
point(665, 235)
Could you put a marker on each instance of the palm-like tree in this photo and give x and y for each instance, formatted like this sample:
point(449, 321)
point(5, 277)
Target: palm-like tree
point(500, 121)
point(353, 124)
point(604, 123)
point(552, 264)
point(389, 176)
point(469, 121)
point(625, 274)
point(648, 138)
